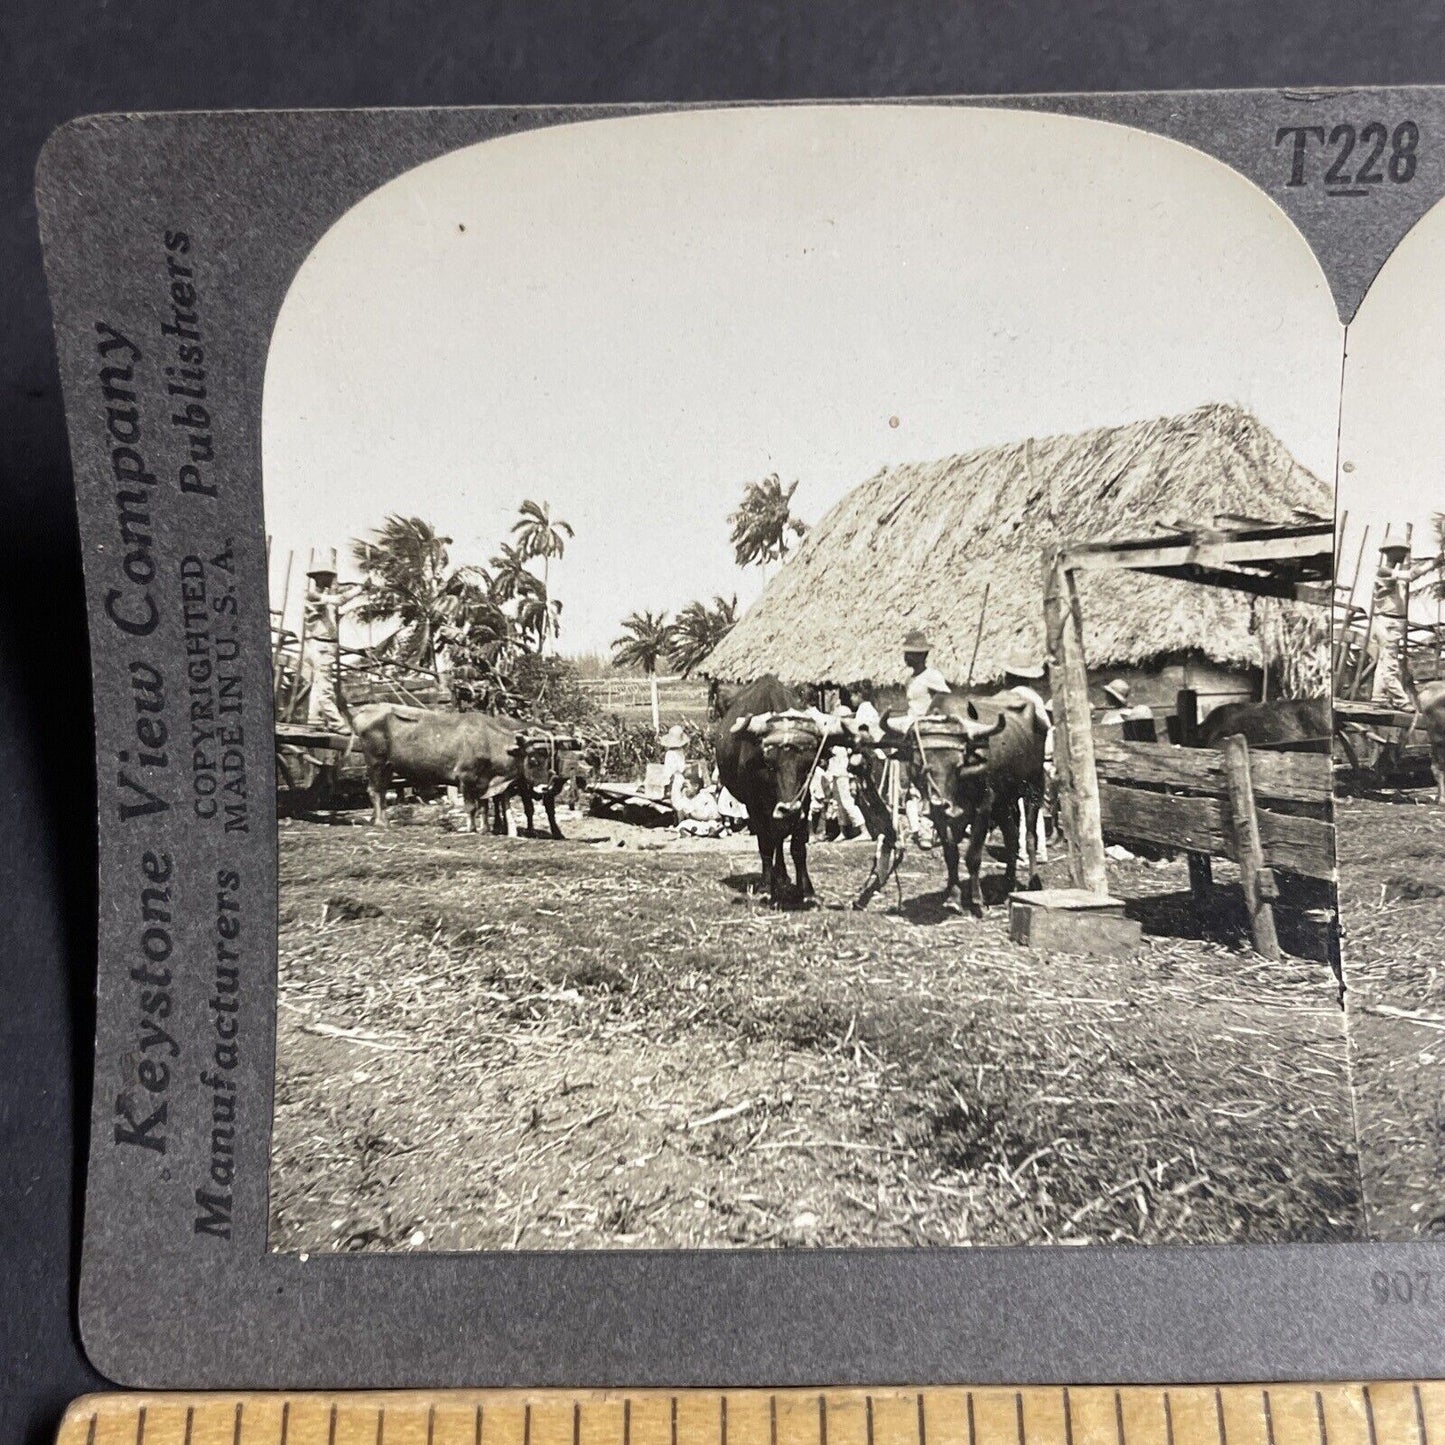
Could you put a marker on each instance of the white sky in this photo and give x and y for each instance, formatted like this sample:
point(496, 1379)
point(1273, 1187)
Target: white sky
point(641, 315)
point(1392, 434)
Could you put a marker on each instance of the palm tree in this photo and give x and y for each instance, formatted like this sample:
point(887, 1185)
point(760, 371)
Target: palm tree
point(408, 579)
point(763, 521)
point(644, 643)
point(698, 629)
point(1437, 529)
point(511, 577)
point(538, 535)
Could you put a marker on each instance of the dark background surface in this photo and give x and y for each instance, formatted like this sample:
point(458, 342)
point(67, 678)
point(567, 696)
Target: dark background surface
point(61, 58)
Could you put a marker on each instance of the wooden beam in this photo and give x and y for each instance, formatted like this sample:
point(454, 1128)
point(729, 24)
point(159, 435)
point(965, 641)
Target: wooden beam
point(1258, 584)
point(1195, 824)
point(1074, 736)
point(1259, 885)
point(1211, 549)
point(1304, 778)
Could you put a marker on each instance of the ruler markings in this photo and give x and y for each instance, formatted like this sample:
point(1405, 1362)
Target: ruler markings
point(1355, 1413)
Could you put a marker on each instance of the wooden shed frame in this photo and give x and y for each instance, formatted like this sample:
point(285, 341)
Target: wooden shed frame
point(1293, 562)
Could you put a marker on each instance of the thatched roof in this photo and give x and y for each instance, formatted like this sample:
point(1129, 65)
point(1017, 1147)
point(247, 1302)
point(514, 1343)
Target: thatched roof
point(915, 545)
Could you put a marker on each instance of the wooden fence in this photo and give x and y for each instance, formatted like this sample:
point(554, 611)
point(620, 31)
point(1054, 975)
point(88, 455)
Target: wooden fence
point(1267, 812)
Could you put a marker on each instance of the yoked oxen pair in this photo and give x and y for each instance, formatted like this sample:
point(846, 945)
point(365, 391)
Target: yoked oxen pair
point(485, 756)
point(973, 760)
point(767, 749)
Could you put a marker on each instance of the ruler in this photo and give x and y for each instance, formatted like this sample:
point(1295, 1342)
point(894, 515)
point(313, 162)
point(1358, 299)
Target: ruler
point(1385, 1413)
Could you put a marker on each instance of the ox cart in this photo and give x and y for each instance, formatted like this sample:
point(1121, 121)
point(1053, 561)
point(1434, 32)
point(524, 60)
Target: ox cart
point(1272, 815)
point(1381, 746)
point(317, 769)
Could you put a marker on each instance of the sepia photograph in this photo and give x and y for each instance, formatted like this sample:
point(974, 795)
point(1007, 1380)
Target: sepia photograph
point(1389, 689)
point(803, 645)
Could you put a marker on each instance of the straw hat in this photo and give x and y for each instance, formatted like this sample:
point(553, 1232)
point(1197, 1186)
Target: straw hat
point(324, 577)
point(916, 641)
point(1023, 664)
point(1117, 691)
point(1395, 550)
point(674, 737)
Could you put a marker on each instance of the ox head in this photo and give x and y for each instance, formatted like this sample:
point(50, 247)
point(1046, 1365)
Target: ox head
point(949, 755)
point(791, 744)
point(539, 755)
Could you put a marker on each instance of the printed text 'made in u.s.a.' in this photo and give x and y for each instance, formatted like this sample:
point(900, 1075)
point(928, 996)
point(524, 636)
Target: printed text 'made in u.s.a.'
point(214, 691)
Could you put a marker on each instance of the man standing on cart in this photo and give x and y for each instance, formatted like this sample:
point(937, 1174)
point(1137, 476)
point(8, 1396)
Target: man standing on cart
point(319, 653)
point(1388, 634)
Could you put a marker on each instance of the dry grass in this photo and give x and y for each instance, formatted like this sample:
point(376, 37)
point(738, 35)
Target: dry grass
point(491, 1043)
point(1392, 905)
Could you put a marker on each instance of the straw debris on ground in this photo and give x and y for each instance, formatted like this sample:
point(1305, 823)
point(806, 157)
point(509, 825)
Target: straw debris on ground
point(1392, 907)
point(513, 1043)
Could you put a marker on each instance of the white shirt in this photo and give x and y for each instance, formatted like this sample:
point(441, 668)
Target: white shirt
point(1034, 700)
point(921, 689)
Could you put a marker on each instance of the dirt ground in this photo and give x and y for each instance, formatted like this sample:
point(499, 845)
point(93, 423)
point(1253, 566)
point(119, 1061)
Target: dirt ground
point(1392, 907)
point(608, 1041)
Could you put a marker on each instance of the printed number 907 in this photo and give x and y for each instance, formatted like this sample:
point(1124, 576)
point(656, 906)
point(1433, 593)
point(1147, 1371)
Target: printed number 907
point(1401, 1287)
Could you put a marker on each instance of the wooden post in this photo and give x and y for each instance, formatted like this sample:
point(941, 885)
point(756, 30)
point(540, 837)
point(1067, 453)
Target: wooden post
point(280, 634)
point(1201, 868)
point(1073, 729)
point(1260, 889)
point(1359, 672)
point(1352, 610)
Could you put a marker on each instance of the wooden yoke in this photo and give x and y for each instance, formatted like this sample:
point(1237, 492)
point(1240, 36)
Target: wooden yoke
point(1073, 726)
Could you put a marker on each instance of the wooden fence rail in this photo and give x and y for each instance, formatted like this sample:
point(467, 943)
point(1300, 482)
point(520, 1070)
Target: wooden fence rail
point(1263, 811)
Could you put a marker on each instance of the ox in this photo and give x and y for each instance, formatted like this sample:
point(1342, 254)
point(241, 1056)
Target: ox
point(482, 755)
point(973, 760)
point(1297, 724)
point(767, 748)
point(1429, 700)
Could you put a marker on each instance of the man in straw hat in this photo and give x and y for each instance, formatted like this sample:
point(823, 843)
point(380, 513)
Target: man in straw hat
point(1022, 670)
point(924, 682)
point(674, 753)
point(323, 604)
point(1117, 708)
point(1393, 578)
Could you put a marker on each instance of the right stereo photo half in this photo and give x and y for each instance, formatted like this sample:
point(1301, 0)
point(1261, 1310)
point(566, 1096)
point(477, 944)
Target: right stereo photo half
point(1389, 687)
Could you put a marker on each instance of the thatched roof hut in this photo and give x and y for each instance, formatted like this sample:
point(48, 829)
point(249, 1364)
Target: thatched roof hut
point(915, 545)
